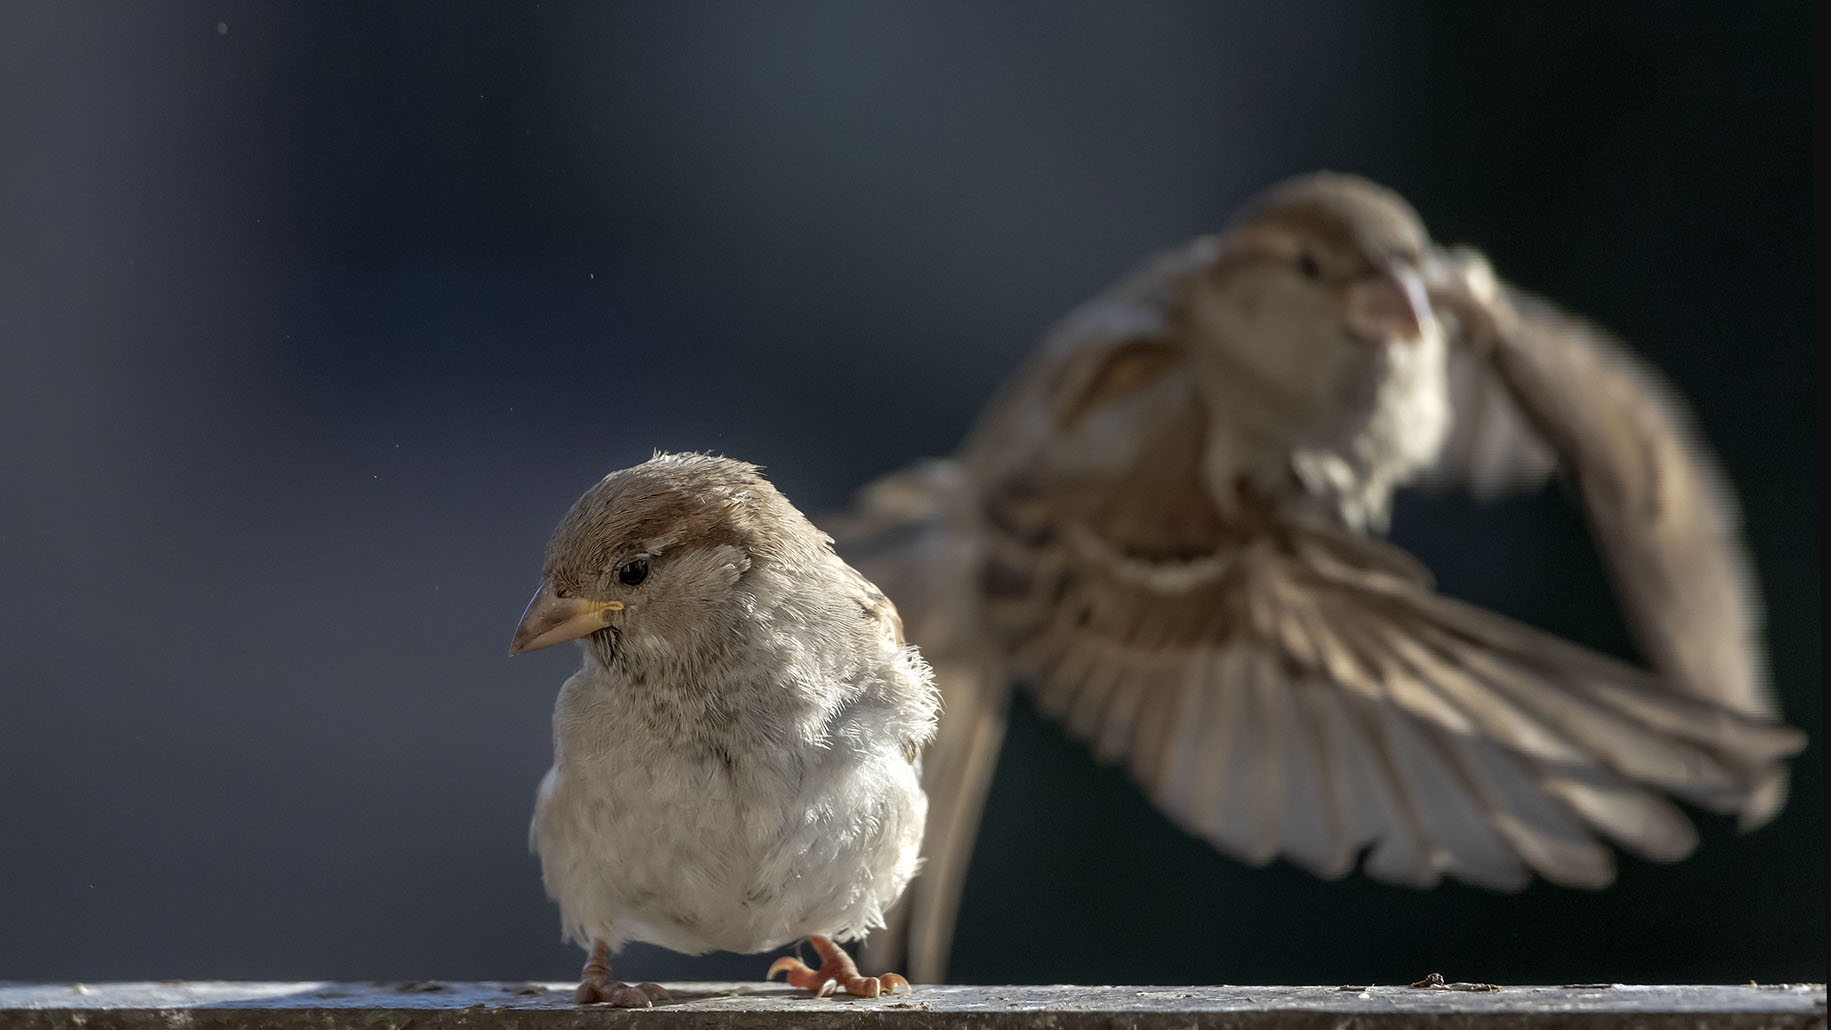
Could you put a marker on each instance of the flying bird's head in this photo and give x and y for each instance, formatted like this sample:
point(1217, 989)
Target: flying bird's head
point(1311, 325)
point(658, 549)
point(1335, 254)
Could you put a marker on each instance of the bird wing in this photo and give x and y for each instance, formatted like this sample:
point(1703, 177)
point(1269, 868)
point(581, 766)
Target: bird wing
point(919, 534)
point(1492, 449)
point(1549, 390)
point(1284, 689)
point(911, 533)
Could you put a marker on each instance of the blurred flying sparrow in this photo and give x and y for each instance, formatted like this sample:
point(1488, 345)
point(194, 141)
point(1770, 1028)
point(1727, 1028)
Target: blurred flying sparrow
point(1167, 526)
point(735, 764)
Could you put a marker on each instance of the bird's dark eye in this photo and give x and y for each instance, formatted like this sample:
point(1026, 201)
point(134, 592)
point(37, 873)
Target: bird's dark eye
point(633, 572)
point(1306, 263)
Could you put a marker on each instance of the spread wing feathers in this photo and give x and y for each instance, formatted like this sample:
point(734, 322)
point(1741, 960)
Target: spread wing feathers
point(910, 532)
point(1107, 349)
point(1286, 689)
point(1550, 386)
point(1282, 702)
point(919, 535)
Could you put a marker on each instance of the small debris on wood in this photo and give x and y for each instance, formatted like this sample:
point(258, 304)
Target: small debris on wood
point(1435, 981)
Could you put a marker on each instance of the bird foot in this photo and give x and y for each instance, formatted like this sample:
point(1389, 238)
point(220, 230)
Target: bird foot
point(618, 994)
point(837, 972)
point(596, 985)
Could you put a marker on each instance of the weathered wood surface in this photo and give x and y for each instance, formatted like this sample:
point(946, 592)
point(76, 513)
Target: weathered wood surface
point(425, 1005)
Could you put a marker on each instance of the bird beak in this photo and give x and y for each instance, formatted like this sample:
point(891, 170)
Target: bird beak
point(552, 619)
point(1389, 305)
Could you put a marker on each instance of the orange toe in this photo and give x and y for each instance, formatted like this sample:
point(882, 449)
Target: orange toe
point(837, 972)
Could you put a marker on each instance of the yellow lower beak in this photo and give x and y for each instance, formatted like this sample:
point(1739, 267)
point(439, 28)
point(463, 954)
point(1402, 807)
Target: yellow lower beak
point(552, 619)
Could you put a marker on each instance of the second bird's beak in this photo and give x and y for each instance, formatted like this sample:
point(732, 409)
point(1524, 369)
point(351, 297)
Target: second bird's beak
point(1389, 305)
point(552, 619)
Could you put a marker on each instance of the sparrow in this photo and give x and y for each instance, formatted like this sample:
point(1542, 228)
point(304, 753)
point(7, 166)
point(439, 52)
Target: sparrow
point(1168, 526)
point(736, 761)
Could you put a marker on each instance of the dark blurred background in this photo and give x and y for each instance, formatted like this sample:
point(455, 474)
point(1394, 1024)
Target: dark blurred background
point(316, 317)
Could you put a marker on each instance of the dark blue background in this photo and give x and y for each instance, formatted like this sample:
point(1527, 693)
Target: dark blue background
point(316, 317)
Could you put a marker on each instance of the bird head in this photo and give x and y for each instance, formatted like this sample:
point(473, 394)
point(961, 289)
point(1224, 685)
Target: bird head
point(1311, 323)
point(1334, 253)
point(658, 550)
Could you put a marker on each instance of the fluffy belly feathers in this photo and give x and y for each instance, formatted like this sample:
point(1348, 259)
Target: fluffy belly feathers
point(695, 854)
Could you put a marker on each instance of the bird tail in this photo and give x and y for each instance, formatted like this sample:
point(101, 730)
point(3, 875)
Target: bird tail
point(914, 534)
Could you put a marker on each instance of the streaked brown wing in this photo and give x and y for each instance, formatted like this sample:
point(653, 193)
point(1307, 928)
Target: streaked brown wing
point(918, 533)
point(1656, 499)
point(1492, 449)
point(1295, 691)
point(1535, 388)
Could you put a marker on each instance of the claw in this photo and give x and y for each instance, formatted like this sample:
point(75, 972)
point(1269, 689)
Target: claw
point(836, 973)
point(620, 995)
point(597, 987)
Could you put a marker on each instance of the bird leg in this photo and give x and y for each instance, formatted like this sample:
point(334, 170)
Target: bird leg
point(595, 984)
point(836, 972)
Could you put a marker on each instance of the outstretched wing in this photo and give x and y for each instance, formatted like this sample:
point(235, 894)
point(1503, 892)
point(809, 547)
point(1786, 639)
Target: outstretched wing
point(1299, 691)
point(919, 534)
point(912, 533)
point(1540, 388)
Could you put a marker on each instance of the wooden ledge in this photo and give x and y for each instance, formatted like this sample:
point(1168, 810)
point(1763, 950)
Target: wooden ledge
point(429, 1004)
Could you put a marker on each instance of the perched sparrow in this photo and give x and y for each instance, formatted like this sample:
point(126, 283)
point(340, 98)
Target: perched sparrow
point(1167, 526)
point(735, 764)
